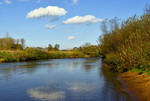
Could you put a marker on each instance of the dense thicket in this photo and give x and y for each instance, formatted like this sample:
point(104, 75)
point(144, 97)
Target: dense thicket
point(126, 45)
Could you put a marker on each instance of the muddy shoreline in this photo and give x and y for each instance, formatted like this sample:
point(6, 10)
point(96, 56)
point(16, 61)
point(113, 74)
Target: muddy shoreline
point(138, 86)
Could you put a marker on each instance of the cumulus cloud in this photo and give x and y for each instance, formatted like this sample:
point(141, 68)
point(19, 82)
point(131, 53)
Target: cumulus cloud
point(70, 37)
point(46, 12)
point(54, 19)
point(82, 19)
point(50, 26)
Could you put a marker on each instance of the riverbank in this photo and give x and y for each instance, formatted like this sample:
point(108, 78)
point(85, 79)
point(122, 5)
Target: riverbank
point(35, 54)
point(126, 48)
point(138, 85)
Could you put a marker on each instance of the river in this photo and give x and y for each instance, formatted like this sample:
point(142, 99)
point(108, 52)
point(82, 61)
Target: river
point(80, 79)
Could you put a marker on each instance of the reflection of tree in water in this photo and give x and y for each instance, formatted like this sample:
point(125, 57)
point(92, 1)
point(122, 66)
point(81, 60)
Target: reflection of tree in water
point(10, 69)
point(112, 89)
point(90, 64)
point(17, 69)
point(69, 89)
point(81, 91)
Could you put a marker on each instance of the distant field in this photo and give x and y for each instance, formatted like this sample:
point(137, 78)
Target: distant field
point(34, 54)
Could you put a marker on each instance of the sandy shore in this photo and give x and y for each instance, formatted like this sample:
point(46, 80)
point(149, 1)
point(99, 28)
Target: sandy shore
point(137, 85)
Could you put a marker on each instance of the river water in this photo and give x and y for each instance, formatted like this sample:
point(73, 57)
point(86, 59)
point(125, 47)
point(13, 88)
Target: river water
point(81, 79)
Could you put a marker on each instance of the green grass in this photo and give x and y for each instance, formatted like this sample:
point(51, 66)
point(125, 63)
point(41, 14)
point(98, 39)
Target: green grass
point(30, 54)
point(140, 71)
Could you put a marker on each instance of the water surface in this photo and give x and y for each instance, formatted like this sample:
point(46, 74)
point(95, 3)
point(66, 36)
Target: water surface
point(81, 79)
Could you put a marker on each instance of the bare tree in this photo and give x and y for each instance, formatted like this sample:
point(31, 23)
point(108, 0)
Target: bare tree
point(7, 35)
point(114, 24)
point(147, 9)
point(17, 41)
point(104, 26)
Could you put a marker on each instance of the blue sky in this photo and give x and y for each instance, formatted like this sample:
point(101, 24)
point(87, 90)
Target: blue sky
point(76, 21)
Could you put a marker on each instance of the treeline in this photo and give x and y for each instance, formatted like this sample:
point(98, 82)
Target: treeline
point(14, 50)
point(88, 50)
point(51, 48)
point(126, 45)
point(9, 43)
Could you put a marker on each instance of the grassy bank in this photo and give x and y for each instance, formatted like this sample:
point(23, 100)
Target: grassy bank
point(36, 54)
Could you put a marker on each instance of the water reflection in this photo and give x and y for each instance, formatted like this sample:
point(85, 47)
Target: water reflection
point(81, 87)
point(77, 90)
point(60, 80)
point(7, 70)
point(90, 64)
point(42, 94)
point(112, 87)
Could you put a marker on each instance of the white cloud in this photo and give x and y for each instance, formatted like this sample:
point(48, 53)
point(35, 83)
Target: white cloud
point(7, 2)
point(46, 12)
point(70, 37)
point(74, 1)
point(82, 19)
point(50, 26)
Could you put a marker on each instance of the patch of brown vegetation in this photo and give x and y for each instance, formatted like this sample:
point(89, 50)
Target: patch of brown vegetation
point(137, 85)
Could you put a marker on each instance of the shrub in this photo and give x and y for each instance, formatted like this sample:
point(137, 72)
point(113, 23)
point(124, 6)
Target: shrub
point(127, 46)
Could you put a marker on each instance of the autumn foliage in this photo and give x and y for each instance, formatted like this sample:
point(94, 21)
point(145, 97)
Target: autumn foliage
point(126, 45)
